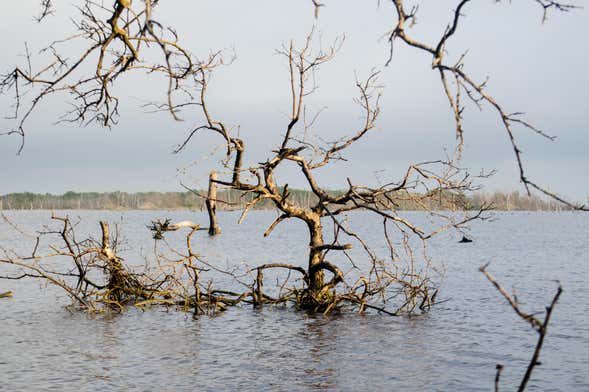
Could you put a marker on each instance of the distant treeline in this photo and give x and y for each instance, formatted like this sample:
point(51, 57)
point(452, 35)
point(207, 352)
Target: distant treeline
point(232, 200)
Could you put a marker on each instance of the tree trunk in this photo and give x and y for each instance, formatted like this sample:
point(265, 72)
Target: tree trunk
point(211, 203)
point(315, 254)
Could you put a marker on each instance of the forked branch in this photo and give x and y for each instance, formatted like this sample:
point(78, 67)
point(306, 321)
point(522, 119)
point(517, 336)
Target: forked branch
point(540, 326)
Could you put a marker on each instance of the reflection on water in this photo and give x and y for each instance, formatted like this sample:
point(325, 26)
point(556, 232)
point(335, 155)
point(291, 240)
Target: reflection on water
point(454, 348)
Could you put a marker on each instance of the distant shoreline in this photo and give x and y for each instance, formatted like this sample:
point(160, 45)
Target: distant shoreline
point(230, 200)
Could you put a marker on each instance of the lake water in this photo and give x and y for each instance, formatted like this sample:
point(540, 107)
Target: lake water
point(455, 347)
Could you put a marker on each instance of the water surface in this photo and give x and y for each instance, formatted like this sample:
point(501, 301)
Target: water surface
point(453, 348)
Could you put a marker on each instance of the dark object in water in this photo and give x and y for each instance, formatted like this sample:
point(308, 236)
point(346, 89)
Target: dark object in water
point(465, 240)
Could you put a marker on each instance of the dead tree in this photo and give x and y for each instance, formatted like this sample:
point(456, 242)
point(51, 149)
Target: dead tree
point(125, 38)
point(260, 181)
point(211, 203)
point(91, 273)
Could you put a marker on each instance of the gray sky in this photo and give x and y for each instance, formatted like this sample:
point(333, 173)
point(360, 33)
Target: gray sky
point(540, 69)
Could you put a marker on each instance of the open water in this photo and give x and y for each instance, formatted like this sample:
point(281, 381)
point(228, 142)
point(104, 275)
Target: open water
point(455, 347)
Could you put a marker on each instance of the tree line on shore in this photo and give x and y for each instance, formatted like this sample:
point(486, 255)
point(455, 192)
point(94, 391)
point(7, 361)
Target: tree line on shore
point(235, 200)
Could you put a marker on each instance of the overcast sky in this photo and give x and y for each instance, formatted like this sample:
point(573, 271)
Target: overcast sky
point(540, 69)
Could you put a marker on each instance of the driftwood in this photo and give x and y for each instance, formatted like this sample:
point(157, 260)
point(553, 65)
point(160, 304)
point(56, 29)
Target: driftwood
point(159, 227)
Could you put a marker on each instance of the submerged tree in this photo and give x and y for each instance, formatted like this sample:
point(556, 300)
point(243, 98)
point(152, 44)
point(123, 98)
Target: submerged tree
point(126, 38)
